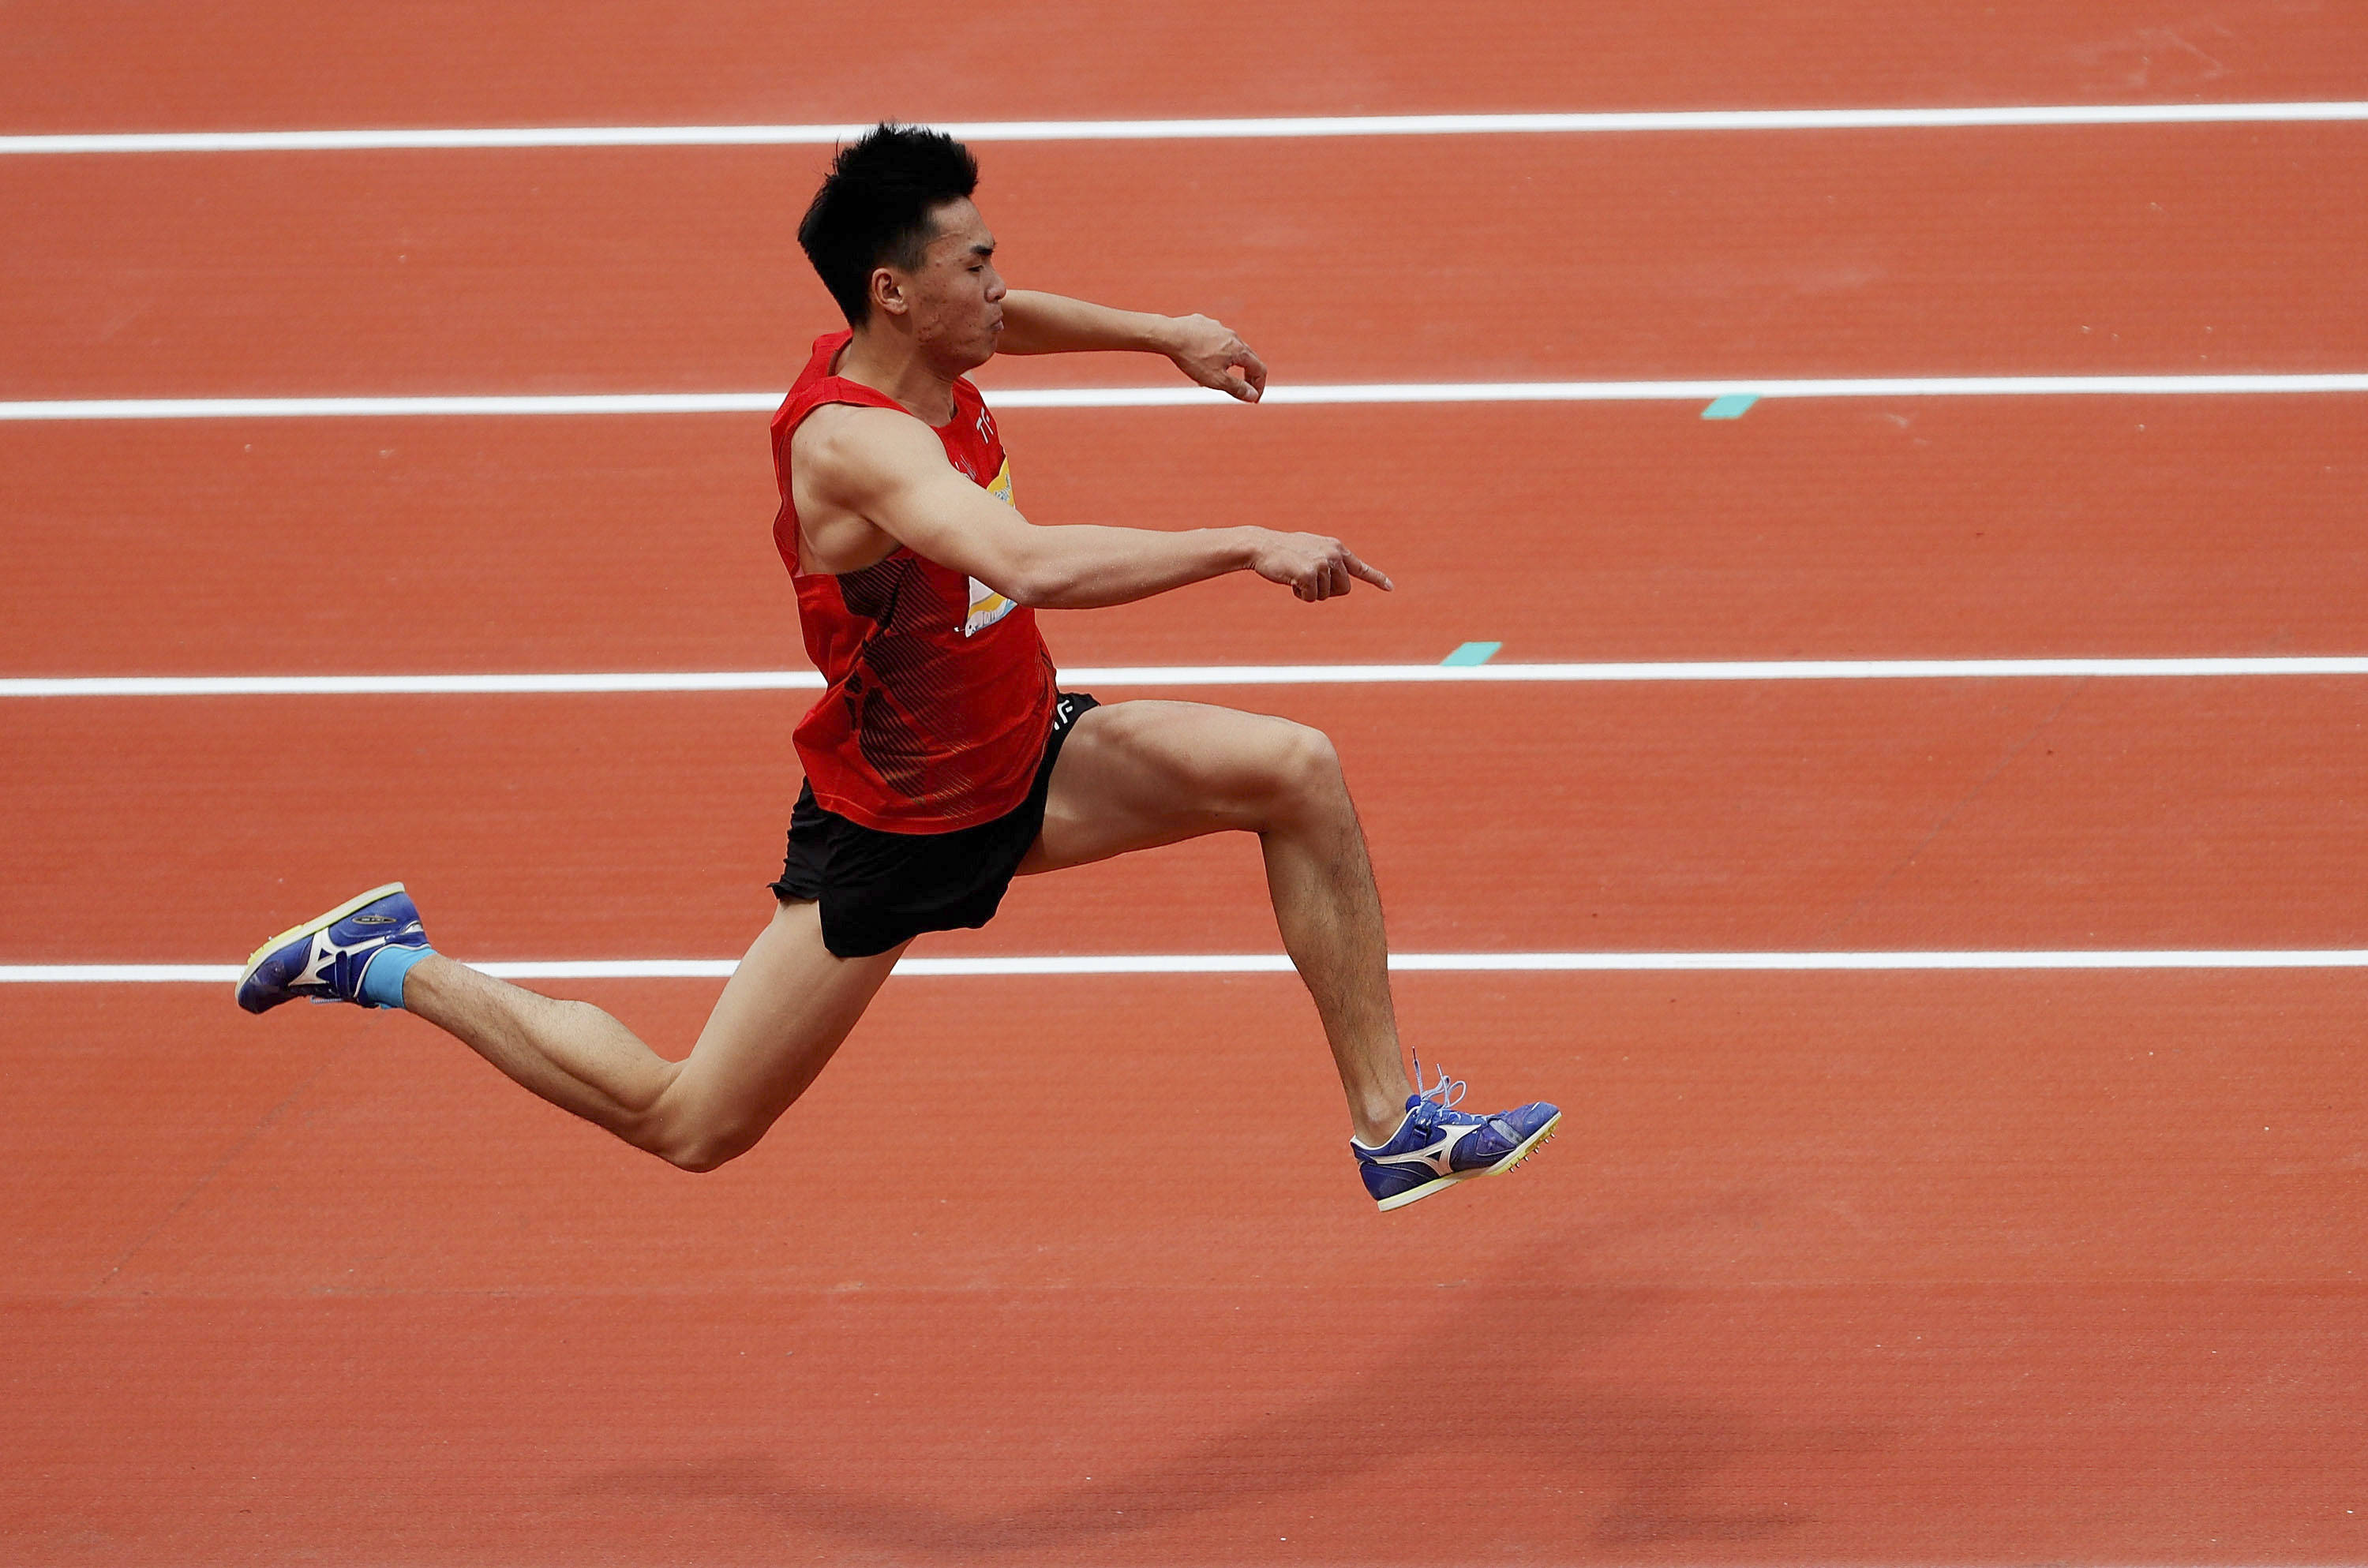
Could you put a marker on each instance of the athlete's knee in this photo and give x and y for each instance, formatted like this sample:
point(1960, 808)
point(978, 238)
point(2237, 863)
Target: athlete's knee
point(1305, 770)
point(699, 1156)
point(692, 1135)
point(702, 1149)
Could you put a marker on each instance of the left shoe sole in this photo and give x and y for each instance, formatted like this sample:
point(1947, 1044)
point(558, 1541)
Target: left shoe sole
point(319, 923)
point(1522, 1151)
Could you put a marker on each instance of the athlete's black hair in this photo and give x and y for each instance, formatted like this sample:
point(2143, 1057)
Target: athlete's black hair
point(875, 209)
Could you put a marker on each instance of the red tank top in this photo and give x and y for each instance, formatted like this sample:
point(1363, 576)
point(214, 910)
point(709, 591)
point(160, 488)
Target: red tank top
point(938, 691)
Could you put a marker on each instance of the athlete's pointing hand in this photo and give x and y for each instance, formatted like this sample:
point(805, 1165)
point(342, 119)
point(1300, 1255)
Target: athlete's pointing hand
point(1313, 566)
point(1215, 355)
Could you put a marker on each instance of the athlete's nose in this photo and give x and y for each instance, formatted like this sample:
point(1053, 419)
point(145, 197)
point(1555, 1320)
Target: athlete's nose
point(994, 288)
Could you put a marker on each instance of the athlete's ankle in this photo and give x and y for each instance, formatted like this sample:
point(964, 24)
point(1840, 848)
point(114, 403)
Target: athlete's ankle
point(382, 981)
point(1374, 1131)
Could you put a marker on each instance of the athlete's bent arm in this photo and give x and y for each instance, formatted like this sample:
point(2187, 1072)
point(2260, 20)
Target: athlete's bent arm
point(1208, 351)
point(889, 470)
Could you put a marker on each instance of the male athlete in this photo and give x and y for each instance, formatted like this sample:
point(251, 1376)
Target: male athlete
point(941, 760)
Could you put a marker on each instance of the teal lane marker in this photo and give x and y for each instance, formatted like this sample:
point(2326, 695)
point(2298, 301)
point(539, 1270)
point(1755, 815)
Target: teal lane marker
point(1473, 654)
point(1731, 406)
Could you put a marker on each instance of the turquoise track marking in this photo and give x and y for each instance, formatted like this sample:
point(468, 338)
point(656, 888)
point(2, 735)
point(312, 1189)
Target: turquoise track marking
point(1731, 406)
point(1473, 654)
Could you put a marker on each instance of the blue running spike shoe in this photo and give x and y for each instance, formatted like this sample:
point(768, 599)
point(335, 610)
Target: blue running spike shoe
point(325, 959)
point(1437, 1145)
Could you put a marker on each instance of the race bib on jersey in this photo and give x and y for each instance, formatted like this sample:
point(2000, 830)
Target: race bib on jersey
point(986, 606)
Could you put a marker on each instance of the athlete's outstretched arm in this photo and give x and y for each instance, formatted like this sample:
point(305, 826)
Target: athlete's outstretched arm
point(1208, 351)
point(890, 468)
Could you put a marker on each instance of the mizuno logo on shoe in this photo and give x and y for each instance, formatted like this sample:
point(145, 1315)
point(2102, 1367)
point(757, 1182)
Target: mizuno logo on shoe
point(323, 953)
point(1438, 1157)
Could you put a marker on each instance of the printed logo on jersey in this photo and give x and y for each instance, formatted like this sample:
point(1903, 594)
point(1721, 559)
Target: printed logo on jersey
point(986, 606)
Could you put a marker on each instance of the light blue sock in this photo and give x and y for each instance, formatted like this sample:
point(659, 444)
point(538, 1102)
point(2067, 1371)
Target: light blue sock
point(382, 981)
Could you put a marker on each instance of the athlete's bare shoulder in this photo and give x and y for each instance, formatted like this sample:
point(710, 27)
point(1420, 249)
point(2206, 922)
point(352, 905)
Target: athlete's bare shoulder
point(844, 445)
point(848, 463)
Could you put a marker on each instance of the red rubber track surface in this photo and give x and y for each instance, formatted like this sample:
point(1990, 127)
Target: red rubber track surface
point(1822, 1269)
point(1857, 815)
point(1945, 528)
point(2110, 250)
point(218, 64)
point(1862, 1269)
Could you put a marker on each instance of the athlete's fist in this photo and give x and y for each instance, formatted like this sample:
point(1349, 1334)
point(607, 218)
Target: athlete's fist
point(1215, 355)
point(1311, 566)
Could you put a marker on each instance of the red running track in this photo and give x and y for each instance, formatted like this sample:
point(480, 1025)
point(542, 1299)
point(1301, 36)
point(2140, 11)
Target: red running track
point(2107, 250)
point(2102, 814)
point(1863, 1270)
point(1993, 1268)
point(253, 64)
point(1955, 528)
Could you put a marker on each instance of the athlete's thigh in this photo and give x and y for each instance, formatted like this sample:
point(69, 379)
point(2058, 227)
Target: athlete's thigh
point(783, 1012)
point(1135, 775)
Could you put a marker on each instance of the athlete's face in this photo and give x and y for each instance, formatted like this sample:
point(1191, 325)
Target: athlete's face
point(955, 296)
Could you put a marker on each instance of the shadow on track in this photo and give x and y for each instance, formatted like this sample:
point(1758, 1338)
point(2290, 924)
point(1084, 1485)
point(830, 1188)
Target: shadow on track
point(1509, 1388)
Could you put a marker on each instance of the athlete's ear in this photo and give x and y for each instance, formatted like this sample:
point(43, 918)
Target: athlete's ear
point(887, 293)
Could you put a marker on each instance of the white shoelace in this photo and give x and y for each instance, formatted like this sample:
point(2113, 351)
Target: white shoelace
point(1445, 1093)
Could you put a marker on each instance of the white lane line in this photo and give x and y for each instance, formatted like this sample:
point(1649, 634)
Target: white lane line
point(408, 685)
point(1276, 963)
point(1200, 675)
point(1183, 396)
point(1624, 121)
point(393, 407)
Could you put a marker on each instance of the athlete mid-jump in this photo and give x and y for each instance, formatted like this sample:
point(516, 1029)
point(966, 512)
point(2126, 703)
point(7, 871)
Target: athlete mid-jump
point(943, 760)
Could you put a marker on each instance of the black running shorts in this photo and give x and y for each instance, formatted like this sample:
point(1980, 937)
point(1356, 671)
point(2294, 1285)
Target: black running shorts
point(880, 888)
